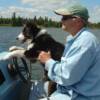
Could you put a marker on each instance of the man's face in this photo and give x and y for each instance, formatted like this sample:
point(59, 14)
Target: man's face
point(67, 22)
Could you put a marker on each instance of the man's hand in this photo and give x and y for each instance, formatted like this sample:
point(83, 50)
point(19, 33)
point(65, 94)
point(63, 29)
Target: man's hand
point(44, 56)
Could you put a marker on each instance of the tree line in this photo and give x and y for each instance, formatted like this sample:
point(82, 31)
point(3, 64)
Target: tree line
point(46, 22)
point(19, 21)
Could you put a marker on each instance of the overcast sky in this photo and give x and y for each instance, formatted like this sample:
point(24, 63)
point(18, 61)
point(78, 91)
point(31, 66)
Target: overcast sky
point(31, 8)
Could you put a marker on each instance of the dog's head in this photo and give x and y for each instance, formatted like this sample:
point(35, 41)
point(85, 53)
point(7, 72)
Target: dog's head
point(29, 32)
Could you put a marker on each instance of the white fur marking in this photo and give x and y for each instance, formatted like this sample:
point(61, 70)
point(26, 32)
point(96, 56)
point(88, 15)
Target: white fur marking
point(42, 31)
point(30, 46)
point(28, 41)
point(21, 37)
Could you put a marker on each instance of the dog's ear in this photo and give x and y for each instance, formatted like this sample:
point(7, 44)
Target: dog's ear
point(32, 25)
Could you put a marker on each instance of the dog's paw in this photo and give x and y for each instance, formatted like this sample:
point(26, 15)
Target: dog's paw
point(12, 48)
point(6, 57)
point(15, 53)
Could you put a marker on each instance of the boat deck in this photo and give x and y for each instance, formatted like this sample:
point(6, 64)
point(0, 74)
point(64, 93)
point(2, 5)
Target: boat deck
point(37, 90)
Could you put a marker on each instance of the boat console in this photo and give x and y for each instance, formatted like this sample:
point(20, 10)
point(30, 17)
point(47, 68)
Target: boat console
point(14, 79)
point(16, 82)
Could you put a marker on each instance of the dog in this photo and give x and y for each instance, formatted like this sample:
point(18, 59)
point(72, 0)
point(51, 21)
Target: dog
point(38, 40)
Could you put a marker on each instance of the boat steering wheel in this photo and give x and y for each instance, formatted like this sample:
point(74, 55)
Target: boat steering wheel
point(21, 68)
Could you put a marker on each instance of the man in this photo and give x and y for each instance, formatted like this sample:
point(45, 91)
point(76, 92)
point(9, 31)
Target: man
point(78, 74)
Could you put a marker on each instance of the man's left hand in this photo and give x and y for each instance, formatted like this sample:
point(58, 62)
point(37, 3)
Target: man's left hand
point(44, 56)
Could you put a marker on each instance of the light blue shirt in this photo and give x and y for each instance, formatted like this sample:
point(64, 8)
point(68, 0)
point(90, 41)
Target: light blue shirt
point(79, 69)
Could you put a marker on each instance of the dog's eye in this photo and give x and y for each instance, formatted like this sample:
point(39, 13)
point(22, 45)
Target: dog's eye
point(26, 32)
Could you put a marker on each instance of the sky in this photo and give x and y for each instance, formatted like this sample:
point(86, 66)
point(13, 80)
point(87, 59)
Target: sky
point(31, 8)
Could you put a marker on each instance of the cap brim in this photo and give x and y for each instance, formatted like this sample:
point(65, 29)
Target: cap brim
point(62, 12)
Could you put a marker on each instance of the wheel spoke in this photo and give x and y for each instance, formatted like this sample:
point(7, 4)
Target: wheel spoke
point(22, 68)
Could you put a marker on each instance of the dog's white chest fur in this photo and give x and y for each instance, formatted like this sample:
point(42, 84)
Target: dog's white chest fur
point(30, 46)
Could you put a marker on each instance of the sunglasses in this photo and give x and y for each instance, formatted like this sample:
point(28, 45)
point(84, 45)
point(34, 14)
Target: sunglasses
point(67, 17)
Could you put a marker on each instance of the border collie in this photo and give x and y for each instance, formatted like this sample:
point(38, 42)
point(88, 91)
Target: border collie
point(38, 40)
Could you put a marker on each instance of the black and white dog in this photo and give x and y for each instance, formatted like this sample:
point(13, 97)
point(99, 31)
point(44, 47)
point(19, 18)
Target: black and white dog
point(38, 40)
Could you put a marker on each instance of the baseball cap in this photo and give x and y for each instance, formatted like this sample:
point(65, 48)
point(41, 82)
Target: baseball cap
point(75, 10)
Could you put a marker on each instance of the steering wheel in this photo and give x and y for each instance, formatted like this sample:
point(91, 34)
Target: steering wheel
point(21, 68)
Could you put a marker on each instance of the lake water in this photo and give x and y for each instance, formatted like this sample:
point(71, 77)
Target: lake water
point(8, 38)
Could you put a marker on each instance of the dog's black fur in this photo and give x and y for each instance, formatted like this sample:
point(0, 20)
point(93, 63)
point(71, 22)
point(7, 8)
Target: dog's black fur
point(41, 41)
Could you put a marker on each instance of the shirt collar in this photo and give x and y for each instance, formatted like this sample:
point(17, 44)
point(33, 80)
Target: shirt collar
point(72, 38)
